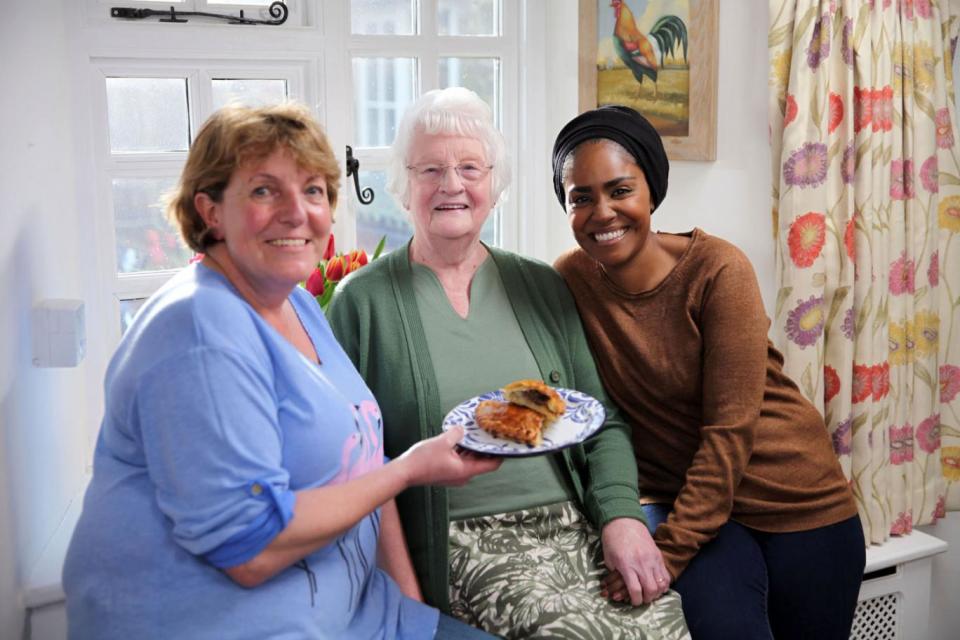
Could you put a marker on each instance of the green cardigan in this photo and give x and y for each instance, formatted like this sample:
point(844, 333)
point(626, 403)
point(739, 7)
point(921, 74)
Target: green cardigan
point(375, 316)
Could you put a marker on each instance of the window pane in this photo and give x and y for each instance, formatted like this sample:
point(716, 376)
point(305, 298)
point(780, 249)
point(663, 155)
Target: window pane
point(145, 240)
point(467, 17)
point(490, 233)
point(383, 88)
point(250, 93)
point(369, 17)
point(128, 309)
point(147, 114)
point(477, 74)
point(382, 217)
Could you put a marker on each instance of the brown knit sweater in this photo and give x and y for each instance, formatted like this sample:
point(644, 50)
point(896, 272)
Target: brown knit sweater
point(718, 429)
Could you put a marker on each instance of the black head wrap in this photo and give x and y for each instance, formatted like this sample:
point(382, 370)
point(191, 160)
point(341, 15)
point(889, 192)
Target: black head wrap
point(625, 126)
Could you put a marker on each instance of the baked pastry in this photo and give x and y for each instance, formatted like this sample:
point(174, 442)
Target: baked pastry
point(534, 394)
point(511, 421)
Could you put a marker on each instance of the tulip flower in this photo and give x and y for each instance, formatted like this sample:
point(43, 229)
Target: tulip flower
point(315, 283)
point(330, 250)
point(358, 256)
point(336, 269)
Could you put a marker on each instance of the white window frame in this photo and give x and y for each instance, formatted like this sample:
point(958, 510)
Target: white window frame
point(313, 55)
point(427, 50)
point(198, 74)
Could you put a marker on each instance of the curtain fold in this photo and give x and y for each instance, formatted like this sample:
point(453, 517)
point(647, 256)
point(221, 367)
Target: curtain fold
point(866, 219)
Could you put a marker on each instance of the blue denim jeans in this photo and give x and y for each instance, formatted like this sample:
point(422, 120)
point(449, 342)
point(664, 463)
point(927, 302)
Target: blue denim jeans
point(452, 629)
point(748, 584)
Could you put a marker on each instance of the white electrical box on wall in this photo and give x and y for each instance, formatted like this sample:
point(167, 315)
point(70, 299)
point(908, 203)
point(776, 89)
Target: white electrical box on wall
point(59, 333)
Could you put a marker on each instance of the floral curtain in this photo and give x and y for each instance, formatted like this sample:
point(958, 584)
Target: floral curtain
point(866, 204)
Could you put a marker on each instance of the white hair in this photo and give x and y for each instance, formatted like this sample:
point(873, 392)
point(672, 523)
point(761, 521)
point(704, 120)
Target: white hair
point(453, 111)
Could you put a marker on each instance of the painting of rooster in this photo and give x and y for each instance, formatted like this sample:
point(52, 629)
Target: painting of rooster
point(642, 59)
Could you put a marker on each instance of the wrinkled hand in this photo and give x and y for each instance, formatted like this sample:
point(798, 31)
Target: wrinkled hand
point(438, 460)
point(637, 570)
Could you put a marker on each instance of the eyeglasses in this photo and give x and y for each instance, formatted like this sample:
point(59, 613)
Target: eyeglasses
point(468, 172)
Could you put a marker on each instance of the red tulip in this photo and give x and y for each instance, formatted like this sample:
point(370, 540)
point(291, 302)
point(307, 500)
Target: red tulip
point(315, 283)
point(336, 269)
point(358, 256)
point(329, 251)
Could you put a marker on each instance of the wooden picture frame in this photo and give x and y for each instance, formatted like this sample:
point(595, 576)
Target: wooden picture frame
point(685, 116)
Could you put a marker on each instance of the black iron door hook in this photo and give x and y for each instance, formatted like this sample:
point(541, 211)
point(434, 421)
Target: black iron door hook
point(277, 10)
point(353, 169)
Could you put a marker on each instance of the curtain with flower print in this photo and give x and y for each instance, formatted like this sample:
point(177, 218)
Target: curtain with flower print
point(866, 207)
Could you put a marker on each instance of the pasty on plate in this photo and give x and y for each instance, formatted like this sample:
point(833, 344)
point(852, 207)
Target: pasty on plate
point(536, 395)
point(511, 421)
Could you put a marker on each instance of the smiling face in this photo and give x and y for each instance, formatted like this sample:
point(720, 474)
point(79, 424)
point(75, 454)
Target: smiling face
point(274, 219)
point(450, 209)
point(608, 204)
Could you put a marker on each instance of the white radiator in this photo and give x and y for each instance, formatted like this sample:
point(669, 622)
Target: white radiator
point(894, 602)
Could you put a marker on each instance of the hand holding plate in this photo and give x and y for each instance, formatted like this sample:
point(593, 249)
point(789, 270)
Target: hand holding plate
point(437, 461)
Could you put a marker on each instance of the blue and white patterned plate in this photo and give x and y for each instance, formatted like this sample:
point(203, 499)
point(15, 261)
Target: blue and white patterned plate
point(584, 415)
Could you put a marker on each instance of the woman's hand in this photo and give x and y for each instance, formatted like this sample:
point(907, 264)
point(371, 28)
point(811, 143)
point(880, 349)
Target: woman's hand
point(637, 570)
point(438, 460)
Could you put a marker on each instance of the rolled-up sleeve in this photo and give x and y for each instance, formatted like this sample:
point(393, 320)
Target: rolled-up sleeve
point(208, 422)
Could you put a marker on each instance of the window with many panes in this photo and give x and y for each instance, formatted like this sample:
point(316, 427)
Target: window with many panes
point(150, 114)
point(358, 63)
point(439, 44)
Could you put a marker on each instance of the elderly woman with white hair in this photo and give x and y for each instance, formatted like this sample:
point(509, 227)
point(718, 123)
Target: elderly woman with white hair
point(520, 552)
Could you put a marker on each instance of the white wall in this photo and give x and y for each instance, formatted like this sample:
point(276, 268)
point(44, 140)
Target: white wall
point(42, 438)
point(945, 587)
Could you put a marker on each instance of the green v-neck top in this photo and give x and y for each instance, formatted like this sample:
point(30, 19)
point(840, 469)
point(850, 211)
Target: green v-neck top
point(375, 316)
point(474, 355)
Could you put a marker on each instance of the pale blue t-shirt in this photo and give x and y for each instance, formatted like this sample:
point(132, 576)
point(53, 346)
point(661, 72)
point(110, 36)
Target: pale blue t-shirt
point(212, 421)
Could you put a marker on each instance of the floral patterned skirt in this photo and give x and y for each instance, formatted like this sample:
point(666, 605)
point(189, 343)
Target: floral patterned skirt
point(536, 573)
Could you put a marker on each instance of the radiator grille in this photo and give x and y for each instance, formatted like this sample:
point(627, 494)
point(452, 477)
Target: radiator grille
point(876, 618)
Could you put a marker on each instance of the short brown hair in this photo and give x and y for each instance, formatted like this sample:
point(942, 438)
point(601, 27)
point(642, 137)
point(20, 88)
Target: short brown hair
point(235, 136)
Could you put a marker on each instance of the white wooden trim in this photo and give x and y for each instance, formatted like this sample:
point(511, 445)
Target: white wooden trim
point(531, 163)
point(313, 52)
point(908, 586)
point(902, 549)
point(42, 586)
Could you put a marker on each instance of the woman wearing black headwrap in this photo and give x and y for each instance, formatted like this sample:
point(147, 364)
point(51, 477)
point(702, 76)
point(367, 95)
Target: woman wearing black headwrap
point(750, 510)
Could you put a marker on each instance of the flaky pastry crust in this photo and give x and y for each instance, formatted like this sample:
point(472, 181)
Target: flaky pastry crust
point(507, 420)
point(536, 395)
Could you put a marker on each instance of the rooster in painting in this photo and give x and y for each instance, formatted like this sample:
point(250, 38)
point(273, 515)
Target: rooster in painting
point(635, 49)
